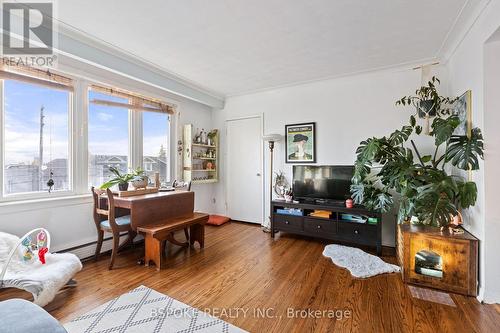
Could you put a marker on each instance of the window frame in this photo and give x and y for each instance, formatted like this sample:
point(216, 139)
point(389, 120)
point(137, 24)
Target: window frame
point(4, 197)
point(78, 138)
point(135, 157)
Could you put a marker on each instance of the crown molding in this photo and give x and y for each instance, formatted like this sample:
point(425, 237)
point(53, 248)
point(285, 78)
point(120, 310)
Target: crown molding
point(464, 22)
point(83, 47)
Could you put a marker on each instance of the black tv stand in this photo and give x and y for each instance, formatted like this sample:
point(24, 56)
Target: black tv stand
point(333, 228)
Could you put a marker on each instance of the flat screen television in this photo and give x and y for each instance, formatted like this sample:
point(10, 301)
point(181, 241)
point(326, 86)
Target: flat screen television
point(329, 183)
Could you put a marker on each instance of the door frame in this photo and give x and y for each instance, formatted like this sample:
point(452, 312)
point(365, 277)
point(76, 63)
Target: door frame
point(261, 156)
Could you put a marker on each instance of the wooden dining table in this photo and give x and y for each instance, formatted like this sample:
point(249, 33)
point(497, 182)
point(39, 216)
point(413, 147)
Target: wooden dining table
point(148, 209)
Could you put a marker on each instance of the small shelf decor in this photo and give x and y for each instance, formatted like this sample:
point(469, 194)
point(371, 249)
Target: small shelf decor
point(200, 155)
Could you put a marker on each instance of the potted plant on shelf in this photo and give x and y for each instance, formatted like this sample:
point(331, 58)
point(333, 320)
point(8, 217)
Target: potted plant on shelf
point(121, 179)
point(394, 164)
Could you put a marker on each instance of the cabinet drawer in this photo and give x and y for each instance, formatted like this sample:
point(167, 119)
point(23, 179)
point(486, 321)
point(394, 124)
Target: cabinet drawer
point(320, 227)
point(358, 233)
point(286, 222)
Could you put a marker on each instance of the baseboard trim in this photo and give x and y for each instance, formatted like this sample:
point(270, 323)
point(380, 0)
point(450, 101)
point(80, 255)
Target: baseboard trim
point(87, 250)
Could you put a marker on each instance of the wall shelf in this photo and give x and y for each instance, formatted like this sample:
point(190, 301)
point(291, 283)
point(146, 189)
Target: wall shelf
point(200, 160)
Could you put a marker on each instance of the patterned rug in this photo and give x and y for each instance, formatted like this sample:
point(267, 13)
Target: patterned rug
point(146, 310)
point(358, 262)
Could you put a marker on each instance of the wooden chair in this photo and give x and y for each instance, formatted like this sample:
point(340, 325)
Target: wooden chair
point(106, 221)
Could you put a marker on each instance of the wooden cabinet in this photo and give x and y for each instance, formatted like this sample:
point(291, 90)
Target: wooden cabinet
point(200, 159)
point(431, 258)
point(333, 228)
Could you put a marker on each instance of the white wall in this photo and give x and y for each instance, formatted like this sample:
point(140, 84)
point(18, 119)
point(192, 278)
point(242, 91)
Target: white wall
point(70, 220)
point(466, 69)
point(346, 111)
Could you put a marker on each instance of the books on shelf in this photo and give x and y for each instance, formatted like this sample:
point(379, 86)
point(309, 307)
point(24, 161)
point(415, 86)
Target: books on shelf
point(290, 211)
point(321, 213)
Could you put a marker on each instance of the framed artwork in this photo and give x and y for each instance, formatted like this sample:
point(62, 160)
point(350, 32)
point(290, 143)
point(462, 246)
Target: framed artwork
point(463, 109)
point(300, 143)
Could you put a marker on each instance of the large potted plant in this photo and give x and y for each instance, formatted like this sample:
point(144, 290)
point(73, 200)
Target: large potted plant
point(393, 164)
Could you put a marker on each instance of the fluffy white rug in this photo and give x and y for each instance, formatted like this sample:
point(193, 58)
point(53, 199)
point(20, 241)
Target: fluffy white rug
point(43, 281)
point(358, 262)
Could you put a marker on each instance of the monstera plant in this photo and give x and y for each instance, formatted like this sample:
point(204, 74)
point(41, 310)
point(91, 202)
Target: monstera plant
point(393, 164)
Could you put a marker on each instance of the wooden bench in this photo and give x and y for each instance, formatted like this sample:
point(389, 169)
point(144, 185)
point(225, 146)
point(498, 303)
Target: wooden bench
point(155, 235)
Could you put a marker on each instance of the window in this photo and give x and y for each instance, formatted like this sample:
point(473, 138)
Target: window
point(37, 135)
point(115, 134)
point(108, 137)
point(155, 144)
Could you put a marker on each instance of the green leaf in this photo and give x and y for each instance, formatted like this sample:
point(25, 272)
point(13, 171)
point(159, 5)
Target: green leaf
point(383, 202)
point(467, 194)
point(357, 193)
point(418, 129)
point(426, 158)
point(400, 136)
point(413, 121)
point(442, 129)
point(464, 152)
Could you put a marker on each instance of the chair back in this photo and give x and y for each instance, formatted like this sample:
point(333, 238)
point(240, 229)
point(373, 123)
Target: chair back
point(103, 210)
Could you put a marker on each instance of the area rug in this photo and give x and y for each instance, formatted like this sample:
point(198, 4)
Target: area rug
point(358, 262)
point(146, 310)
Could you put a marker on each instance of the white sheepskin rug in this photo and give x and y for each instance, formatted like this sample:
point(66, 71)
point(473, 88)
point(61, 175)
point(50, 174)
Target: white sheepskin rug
point(43, 281)
point(358, 262)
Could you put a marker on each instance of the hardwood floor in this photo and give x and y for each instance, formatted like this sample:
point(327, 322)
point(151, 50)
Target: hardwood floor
point(242, 268)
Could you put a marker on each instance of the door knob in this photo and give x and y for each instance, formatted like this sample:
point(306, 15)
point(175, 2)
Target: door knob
point(286, 222)
point(356, 232)
point(319, 227)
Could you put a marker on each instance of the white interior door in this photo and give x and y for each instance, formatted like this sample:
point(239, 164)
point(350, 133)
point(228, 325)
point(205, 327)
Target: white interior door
point(244, 169)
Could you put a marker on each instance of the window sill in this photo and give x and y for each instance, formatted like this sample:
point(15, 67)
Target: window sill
point(20, 205)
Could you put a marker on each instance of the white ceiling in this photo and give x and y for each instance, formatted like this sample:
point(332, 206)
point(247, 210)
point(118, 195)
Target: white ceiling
point(238, 46)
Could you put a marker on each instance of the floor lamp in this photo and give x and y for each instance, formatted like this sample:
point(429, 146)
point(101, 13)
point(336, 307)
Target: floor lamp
point(271, 138)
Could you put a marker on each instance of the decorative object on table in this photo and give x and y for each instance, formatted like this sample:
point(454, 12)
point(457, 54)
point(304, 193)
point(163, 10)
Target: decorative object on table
point(359, 263)
point(157, 180)
point(300, 143)
point(281, 185)
point(120, 179)
point(218, 220)
point(349, 203)
point(27, 264)
point(126, 313)
point(438, 259)
point(139, 180)
point(134, 192)
point(271, 139)
point(200, 158)
point(429, 195)
point(289, 195)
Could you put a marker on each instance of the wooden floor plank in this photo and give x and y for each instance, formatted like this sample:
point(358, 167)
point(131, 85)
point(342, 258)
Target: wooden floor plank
point(242, 270)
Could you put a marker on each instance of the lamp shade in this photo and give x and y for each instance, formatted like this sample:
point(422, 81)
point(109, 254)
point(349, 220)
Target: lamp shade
point(272, 137)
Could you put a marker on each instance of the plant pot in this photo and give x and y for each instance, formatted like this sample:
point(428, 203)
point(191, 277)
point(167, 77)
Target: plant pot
point(426, 108)
point(140, 182)
point(123, 186)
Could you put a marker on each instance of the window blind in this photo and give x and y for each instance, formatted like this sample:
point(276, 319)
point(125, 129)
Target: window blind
point(136, 101)
point(13, 71)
